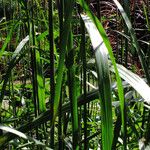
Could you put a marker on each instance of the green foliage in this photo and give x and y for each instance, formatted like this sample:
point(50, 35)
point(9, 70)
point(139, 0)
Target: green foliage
point(69, 80)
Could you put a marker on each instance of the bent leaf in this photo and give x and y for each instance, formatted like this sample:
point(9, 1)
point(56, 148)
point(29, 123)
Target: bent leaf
point(101, 56)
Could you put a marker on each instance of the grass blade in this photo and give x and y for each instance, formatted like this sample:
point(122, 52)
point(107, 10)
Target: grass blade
point(135, 81)
point(63, 45)
point(104, 82)
point(73, 92)
point(83, 53)
point(108, 46)
point(40, 83)
point(52, 72)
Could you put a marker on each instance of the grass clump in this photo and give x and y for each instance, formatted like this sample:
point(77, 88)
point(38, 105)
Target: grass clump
point(74, 74)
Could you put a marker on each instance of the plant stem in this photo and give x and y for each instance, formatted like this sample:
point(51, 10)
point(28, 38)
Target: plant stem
point(52, 74)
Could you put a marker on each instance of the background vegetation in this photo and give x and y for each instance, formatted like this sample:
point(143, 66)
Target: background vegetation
point(75, 74)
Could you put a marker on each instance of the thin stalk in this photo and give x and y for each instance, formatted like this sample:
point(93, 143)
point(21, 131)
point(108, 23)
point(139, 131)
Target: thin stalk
point(98, 9)
point(83, 53)
point(72, 91)
point(126, 42)
point(118, 28)
point(1, 132)
point(11, 89)
point(52, 74)
point(60, 5)
point(117, 129)
point(60, 125)
point(33, 64)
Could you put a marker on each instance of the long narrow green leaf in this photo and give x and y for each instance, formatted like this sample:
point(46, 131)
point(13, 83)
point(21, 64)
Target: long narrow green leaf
point(72, 91)
point(135, 81)
point(108, 46)
point(83, 53)
point(52, 72)
point(132, 79)
point(63, 45)
point(101, 56)
point(40, 83)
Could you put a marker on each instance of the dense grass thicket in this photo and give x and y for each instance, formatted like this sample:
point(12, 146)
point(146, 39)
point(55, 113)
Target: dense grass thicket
point(74, 74)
